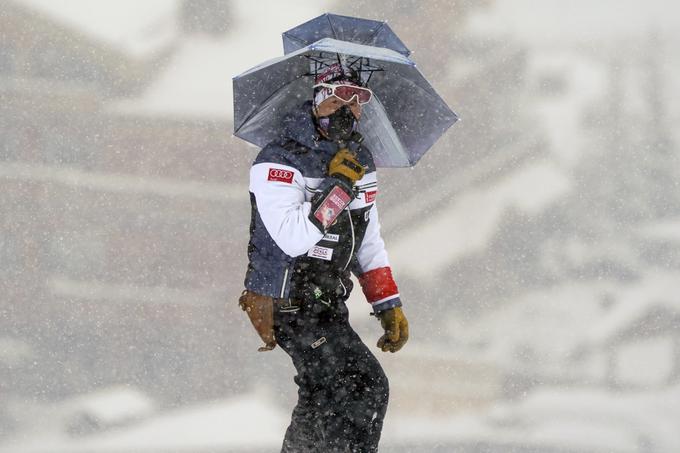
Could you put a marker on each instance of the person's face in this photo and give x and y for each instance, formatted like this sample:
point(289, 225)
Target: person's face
point(330, 105)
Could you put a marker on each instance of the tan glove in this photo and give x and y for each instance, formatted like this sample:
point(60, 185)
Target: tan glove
point(345, 164)
point(260, 310)
point(396, 329)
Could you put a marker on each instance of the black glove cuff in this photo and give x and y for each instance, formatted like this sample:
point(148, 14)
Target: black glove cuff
point(346, 183)
point(382, 307)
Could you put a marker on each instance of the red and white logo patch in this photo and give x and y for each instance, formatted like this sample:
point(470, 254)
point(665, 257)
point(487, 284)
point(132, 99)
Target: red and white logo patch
point(369, 196)
point(279, 174)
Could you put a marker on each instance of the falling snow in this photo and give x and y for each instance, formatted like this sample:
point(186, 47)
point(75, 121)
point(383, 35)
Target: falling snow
point(536, 245)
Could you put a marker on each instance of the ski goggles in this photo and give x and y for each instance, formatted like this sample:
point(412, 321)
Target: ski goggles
point(347, 92)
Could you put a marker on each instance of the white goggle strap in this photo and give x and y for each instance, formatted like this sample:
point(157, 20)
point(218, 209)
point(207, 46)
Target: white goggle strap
point(323, 94)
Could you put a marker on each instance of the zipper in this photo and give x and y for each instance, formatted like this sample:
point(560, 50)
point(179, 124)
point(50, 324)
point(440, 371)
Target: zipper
point(283, 286)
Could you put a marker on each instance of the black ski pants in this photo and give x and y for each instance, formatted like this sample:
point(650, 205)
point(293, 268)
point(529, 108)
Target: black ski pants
point(342, 389)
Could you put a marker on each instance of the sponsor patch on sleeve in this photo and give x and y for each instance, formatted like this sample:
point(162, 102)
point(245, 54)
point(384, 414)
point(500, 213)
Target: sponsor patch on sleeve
point(281, 175)
point(369, 195)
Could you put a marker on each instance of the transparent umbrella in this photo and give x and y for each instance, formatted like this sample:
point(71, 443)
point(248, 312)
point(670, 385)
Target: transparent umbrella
point(343, 28)
point(403, 120)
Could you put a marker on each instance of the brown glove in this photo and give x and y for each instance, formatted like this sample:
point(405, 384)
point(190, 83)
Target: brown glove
point(396, 329)
point(260, 310)
point(345, 164)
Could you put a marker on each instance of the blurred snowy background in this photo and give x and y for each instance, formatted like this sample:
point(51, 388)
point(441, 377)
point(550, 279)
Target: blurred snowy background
point(537, 245)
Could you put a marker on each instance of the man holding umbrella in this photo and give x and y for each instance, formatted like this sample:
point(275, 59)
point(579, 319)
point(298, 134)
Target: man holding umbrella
point(314, 220)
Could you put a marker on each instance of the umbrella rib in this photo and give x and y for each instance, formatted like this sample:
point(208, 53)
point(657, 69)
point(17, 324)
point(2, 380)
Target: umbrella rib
point(256, 110)
point(335, 35)
point(300, 40)
point(319, 59)
point(433, 94)
point(376, 32)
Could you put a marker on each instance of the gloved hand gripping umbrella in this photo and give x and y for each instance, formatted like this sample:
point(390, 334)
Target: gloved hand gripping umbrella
point(405, 117)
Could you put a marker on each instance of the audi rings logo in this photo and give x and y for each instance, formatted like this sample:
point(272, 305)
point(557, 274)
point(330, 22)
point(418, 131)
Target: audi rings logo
point(279, 174)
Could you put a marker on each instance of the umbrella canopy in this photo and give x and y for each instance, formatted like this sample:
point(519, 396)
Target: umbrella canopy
point(343, 28)
point(402, 121)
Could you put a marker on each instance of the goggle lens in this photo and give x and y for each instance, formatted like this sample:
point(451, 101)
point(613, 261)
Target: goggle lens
point(347, 92)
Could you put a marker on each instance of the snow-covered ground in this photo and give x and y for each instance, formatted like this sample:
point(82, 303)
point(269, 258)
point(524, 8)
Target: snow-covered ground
point(573, 420)
point(244, 423)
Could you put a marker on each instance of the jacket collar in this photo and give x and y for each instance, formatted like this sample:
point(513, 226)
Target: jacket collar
point(300, 127)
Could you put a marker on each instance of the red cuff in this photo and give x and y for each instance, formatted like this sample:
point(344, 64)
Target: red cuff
point(378, 284)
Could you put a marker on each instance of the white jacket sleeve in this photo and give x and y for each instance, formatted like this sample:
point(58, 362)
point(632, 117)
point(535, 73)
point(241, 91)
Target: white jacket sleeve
point(372, 254)
point(374, 271)
point(280, 197)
